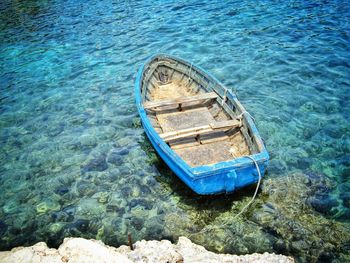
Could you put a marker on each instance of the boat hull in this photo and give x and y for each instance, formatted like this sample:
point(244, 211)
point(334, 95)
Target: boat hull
point(223, 177)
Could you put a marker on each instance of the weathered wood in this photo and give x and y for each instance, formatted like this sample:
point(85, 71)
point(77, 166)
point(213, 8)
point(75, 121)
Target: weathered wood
point(225, 124)
point(216, 136)
point(239, 145)
point(174, 102)
point(184, 143)
point(205, 154)
point(185, 119)
point(205, 129)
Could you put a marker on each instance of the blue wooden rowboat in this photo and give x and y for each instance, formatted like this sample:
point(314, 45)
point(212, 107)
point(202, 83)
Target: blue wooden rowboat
point(198, 127)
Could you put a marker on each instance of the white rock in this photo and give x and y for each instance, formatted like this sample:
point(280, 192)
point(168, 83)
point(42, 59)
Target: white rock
point(79, 250)
point(154, 251)
point(39, 253)
point(196, 253)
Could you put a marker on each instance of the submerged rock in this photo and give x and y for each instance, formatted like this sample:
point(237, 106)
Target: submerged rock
point(61, 217)
point(47, 206)
point(147, 204)
point(115, 158)
point(137, 223)
point(61, 190)
point(103, 197)
point(88, 140)
point(123, 151)
point(3, 227)
point(96, 164)
point(81, 225)
point(115, 208)
point(84, 188)
point(56, 129)
point(125, 191)
point(320, 196)
point(11, 206)
point(323, 203)
point(56, 228)
point(307, 235)
point(346, 199)
point(145, 190)
point(154, 227)
point(83, 250)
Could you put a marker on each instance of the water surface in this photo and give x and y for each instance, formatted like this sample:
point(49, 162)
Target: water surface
point(75, 160)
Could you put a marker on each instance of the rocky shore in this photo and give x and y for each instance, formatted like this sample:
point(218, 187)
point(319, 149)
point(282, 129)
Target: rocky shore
point(79, 250)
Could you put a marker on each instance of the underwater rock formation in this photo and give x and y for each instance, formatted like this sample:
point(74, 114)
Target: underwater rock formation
point(83, 250)
point(97, 164)
point(308, 236)
point(281, 220)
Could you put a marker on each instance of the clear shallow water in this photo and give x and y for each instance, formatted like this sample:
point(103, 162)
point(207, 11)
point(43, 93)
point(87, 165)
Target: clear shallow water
point(75, 161)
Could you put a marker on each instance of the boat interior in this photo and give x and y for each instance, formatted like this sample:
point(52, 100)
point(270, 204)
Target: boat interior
point(187, 111)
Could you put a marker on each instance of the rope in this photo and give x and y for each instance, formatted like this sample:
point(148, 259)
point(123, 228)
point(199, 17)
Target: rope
point(247, 205)
point(224, 98)
point(257, 186)
point(243, 112)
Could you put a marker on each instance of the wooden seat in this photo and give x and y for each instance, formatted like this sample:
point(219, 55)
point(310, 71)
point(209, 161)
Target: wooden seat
point(197, 131)
point(179, 101)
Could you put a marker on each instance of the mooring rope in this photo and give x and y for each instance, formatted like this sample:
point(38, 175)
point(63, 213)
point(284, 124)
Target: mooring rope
point(257, 186)
point(224, 98)
point(247, 205)
point(243, 112)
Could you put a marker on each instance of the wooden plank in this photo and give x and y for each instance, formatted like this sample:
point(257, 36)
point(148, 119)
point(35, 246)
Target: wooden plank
point(184, 143)
point(225, 124)
point(174, 102)
point(168, 92)
point(205, 154)
point(186, 131)
point(205, 129)
point(185, 119)
point(216, 136)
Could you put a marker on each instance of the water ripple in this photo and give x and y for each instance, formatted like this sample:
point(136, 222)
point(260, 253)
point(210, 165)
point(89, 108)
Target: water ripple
point(74, 158)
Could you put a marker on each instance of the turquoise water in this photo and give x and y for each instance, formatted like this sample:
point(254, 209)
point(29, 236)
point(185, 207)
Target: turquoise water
point(75, 160)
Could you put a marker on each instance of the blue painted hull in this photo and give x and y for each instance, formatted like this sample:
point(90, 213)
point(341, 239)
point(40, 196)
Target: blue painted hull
point(223, 177)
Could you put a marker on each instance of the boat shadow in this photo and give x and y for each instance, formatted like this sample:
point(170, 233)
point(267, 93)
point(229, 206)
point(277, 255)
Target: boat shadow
point(219, 202)
point(174, 188)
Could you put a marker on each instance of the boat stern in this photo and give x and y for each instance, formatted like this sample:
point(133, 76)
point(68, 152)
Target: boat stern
point(213, 180)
